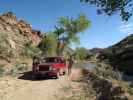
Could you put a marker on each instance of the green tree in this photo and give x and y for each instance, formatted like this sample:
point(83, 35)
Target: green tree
point(109, 7)
point(68, 29)
point(30, 50)
point(80, 53)
point(48, 45)
point(64, 34)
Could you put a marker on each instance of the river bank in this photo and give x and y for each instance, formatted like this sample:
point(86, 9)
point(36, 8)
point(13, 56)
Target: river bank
point(104, 79)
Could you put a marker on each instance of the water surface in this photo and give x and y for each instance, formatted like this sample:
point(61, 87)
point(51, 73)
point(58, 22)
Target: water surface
point(86, 65)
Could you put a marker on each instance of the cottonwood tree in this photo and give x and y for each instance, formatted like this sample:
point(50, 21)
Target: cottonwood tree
point(65, 33)
point(109, 7)
point(48, 45)
point(68, 30)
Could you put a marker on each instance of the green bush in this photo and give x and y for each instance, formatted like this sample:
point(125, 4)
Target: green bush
point(107, 71)
point(18, 68)
point(130, 89)
point(30, 50)
point(2, 70)
point(6, 51)
point(48, 45)
point(80, 53)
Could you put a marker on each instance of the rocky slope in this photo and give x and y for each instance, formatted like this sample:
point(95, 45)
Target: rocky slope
point(14, 34)
point(121, 54)
point(9, 23)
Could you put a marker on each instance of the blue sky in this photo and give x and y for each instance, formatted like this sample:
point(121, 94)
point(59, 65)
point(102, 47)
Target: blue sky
point(43, 15)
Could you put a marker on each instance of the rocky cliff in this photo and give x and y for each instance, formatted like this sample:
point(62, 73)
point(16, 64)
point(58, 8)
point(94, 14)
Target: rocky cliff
point(9, 23)
point(14, 34)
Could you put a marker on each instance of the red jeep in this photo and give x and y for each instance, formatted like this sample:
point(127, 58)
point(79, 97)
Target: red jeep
point(49, 66)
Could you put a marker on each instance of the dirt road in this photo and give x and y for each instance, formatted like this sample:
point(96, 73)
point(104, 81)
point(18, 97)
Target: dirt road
point(22, 89)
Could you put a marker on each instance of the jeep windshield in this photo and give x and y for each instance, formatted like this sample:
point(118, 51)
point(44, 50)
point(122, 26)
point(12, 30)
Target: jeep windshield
point(53, 60)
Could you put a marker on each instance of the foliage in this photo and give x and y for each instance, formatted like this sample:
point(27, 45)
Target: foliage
point(107, 71)
point(110, 7)
point(65, 33)
point(30, 50)
point(126, 86)
point(6, 51)
point(120, 55)
point(48, 44)
point(18, 68)
point(108, 54)
point(2, 70)
point(68, 29)
point(80, 53)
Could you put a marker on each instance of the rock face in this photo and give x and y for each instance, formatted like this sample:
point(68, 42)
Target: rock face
point(14, 34)
point(9, 18)
point(9, 23)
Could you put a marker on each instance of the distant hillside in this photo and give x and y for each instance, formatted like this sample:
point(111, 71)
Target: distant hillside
point(121, 54)
point(95, 50)
point(15, 35)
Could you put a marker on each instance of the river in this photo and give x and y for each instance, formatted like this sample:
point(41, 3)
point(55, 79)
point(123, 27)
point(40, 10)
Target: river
point(90, 65)
point(87, 65)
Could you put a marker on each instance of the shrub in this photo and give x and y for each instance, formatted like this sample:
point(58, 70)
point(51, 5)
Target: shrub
point(48, 45)
point(18, 68)
point(6, 51)
point(84, 93)
point(107, 71)
point(2, 70)
point(80, 54)
point(30, 50)
point(126, 86)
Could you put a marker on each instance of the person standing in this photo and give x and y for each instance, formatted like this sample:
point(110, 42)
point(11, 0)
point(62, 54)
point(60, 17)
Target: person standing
point(70, 64)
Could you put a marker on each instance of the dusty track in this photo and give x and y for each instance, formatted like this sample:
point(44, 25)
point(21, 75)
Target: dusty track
point(26, 89)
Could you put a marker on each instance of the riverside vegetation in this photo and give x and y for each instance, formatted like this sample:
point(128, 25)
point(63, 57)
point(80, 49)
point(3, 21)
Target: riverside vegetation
point(102, 83)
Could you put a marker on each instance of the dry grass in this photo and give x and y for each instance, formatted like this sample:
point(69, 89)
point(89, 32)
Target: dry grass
point(77, 88)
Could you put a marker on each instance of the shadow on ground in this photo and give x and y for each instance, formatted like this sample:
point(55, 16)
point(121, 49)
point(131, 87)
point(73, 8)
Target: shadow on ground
point(29, 76)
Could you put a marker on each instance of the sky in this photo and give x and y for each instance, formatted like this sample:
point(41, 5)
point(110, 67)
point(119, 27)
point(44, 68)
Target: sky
point(44, 14)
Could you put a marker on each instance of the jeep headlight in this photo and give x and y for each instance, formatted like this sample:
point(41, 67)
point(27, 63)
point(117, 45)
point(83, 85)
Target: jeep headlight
point(50, 68)
point(53, 68)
